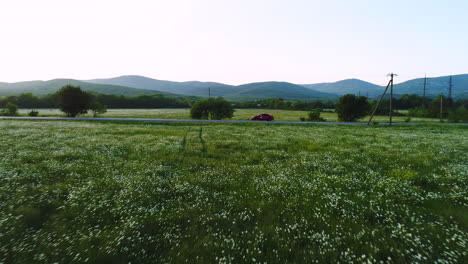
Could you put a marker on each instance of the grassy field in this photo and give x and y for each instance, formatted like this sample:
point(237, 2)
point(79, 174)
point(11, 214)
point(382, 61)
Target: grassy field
point(239, 114)
point(75, 192)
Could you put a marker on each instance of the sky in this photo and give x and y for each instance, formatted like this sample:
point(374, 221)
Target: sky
point(233, 41)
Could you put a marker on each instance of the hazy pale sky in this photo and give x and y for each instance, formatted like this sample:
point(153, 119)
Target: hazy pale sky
point(233, 41)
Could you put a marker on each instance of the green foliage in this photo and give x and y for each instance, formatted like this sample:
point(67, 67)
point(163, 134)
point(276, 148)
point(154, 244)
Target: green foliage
point(314, 115)
point(29, 216)
point(11, 109)
point(111, 101)
point(280, 103)
point(214, 109)
point(96, 107)
point(73, 101)
point(350, 107)
point(433, 108)
point(91, 192)
point(458, 115)
point(33, 113)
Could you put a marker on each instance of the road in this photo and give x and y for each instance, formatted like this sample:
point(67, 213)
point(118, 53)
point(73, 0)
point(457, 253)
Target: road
point(203, 121)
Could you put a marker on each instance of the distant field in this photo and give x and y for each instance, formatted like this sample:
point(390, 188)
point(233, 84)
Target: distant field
point(239, 114)
point(74, 192)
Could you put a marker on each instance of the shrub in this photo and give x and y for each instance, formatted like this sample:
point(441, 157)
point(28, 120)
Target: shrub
point(302, 119)
point(97, 109)
point(458, 115)
point(215, 109)
point(419, 112)
point(73, 101)
point(10, 110)
point(33, 113)
point(314, 115)
point(350, 107)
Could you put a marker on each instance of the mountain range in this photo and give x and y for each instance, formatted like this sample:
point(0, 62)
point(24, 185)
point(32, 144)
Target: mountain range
point(40, 88)
point(132, 85)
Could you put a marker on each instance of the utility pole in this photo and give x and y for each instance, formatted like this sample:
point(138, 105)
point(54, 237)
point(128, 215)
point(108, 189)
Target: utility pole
point(450, 88)
point(390, 84)
point(424, 89)
point(391, 95)
point(441, 103)
point(209, 93)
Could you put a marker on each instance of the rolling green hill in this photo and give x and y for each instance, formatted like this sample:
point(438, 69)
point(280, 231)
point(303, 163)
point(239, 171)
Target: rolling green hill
point(142, 82)
point(277, 89)
point(260, 90)
point(435, 86)
point(132, 85)
point(40, 88)
point(350, 86)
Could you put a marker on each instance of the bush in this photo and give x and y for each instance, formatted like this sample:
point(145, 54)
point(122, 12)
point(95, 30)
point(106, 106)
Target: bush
point(97, 109)
point(33, 113)
point(419, 112)
point(302, 119)
point(10, 110)
point(214, 109)
point(458, 115)
point(314, 115)
point(73, 101)
point(350, 107)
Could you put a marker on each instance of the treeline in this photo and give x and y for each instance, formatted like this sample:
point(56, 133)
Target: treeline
point(279, 103)
point(28, 100)
point(419, 106)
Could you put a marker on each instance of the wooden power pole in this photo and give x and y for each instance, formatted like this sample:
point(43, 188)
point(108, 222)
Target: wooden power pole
point(390, 84)
point(450, 88)
point(424, 89)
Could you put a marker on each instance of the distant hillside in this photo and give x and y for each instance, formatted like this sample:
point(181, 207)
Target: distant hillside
point(47, 87)
point(243, 92)
point(135, 85)
point(350, 86)
point(277, 89)
point(142, 82)
point(435, 86)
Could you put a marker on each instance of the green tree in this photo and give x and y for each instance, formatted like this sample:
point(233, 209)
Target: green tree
point(458, 115)
point(215, 109)
point(97, 108)
point(11, 109)
point(73, 101)
point(350, 107)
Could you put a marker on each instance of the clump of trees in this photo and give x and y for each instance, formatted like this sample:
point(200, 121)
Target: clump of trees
point(460, 114)
point(280, 103)
point(28, 100)
point(213, 108)
point(11, 109)
point(350, 107)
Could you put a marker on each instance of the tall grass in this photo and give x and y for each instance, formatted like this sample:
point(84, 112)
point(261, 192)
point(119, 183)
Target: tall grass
point(74, 192)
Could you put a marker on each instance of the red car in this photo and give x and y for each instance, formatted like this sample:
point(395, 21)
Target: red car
point(263, 117)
